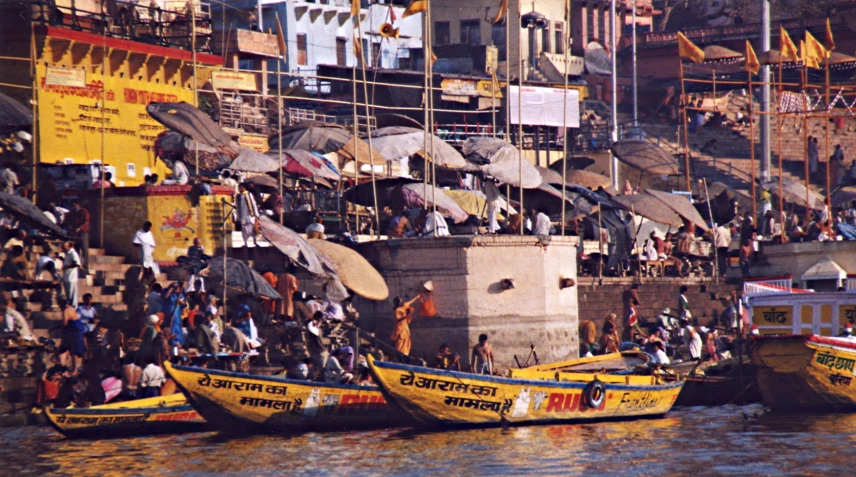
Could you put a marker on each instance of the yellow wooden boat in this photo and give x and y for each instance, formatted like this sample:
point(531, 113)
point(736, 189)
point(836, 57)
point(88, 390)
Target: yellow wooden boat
point(806, 372)
point(230, 399)
point(161, 414)
point(541, 394)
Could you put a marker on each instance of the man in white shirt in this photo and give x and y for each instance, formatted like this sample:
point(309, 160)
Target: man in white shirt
point(146, 241)
point(722, 240)
point(46, 264)
point(491, 193)
point(152, 379)
point(435, 220)
point(88, 314)
point(70, 266)
point(247, 213)
point(180, 174)
point(542, 223)
point(660, 356)
point(14, 321)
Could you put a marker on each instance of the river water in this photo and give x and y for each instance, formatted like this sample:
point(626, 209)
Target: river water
point(728, 440)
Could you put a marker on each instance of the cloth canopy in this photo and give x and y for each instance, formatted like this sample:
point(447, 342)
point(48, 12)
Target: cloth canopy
point(14, 116)
point(312, 136)
point(307, 164)
point(192, 122)
point(649, 207)
point(795, 193)
point(587, 179)
point(403, 193)
point(396, 142)
point(250, 160)
point(501, 160)
point(240, 278)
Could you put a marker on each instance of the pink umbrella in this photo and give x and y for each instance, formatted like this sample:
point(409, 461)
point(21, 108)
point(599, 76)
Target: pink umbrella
point(112, 388)
point(307, 164)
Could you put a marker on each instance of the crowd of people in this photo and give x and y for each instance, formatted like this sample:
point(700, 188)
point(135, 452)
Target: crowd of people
point(674, 336)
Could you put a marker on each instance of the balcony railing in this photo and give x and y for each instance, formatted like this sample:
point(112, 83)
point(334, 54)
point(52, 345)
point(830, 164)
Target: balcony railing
point(150, 23)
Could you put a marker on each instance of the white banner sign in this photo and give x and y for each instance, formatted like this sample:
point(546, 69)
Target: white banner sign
point(543, 106)
point(65, 77)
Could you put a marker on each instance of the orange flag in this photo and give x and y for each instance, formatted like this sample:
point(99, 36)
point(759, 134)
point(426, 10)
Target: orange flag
point(280, 39)
point(416, 6)
point(787, 49)
point(355, 8)
point(752, 64)
point(830, 41)
point(807, 57)
point(688, 49)
point(392, 17)
point(503, 10)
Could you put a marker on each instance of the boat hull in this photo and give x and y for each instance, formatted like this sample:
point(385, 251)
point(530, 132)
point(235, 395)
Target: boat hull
point(165, 414)
point(283, 405)
point(439, 397)
point(806, 373)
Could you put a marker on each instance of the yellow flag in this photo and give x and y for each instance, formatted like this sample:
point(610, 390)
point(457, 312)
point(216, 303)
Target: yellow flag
point(830, 41)
point(280, 39)
point(358, 48)
point(814, 48)
point(503, 10)
point(787, 49)
point(807, 57)
point(688, 49)
point(355, 7)
point(752, 64)
point(416, 6)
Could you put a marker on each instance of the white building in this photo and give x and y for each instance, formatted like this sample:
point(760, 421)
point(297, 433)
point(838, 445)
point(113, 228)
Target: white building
point(322, 32)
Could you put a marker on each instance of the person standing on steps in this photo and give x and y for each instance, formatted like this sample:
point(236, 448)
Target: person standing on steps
point(146, 241)
point(70, 266)
point(78, 224)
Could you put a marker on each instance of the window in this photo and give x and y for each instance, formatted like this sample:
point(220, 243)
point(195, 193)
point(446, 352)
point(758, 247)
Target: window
point(545, 39)
point(341, 51)
point(301, 49)
point(470, 33)
point(497, 37)
point(376, 54)
point(442, 33)
point(559, 35)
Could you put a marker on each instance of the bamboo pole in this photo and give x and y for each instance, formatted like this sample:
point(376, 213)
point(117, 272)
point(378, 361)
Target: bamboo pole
point(779, 133)
point(193, 52)
point(368, 125)
point(520, 115)
point(279, 109)
point(565, 48)
point(431, 124)
point(826, 145)
point(686, 129)
point(35, 103)
point(426, 70)
point(103, 138)
point(752, 147)
point(356, 135)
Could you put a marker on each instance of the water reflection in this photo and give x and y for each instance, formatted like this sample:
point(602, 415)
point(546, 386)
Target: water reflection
point(729, 441)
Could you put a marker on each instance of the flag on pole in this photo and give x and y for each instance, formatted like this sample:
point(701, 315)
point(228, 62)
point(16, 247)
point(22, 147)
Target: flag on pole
point(688, 49)
point(752, 64)
point(280, 40)
point(416, 6)
point(830, 41)
point(503, 10)
point(355, 8)
point(815, 48)
point(392, 17)
point(358, 47)
point(787, 49)
point(807, 57)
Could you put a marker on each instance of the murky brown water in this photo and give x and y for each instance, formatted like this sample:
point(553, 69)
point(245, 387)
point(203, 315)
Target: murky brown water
point(732, 441)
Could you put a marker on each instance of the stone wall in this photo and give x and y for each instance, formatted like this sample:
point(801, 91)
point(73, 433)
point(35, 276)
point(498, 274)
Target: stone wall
point(598, 299)
point(470, 300)
point(796, 258)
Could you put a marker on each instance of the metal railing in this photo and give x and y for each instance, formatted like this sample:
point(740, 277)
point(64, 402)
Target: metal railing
point(147, 23)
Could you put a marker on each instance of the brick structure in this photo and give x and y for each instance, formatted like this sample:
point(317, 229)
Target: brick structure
point(599, 298)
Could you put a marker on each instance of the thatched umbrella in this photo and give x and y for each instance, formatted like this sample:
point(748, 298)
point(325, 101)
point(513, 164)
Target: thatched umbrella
point(355, 272)
point(24, 210)
point(240, 278)
point(719, 53)
point(588, 179)
point(405, 194)
point(14, 116)
point(681, 205)
point(649, 207)
point(501, 160)
point(250, 160)
point(312, 136)
point(192, 122)
point(646, 156)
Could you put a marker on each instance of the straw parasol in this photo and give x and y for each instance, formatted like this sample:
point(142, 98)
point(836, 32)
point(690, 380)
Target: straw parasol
point(681, 205)
point(24, 210)
point(574, 162)
point(646, 156)
point(549, 176)
point(355, 272)
point(395, 142)
point(295, 247)
point(795, 193)
point(405, 194)
point(545, 197)
point(358, 150)
point(588, 179)
point(718, 53)
point(14, 116)
point(313, 136)
point(649, 207)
